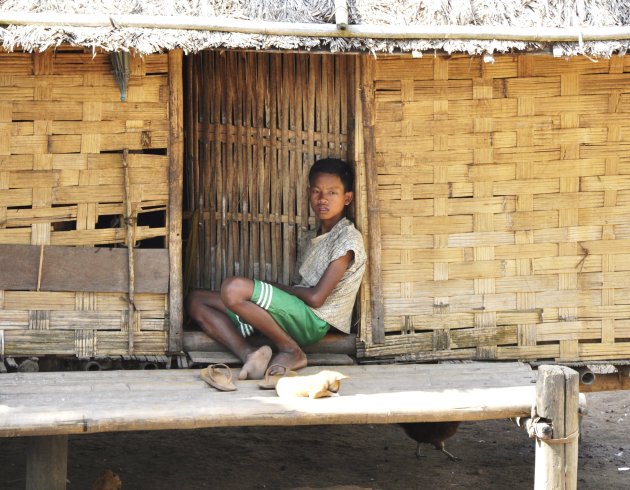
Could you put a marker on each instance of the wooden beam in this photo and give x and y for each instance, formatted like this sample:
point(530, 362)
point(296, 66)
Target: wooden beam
point(95, 269)
point(175, 191)
point(366, 88)
point(557, 405)
point(225, 357)
point(103, 270)
point(47, 463)
point(330, 344)
point(19, 267)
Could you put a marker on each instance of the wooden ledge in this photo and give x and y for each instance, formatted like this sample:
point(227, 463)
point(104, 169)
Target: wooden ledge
point(104, 401)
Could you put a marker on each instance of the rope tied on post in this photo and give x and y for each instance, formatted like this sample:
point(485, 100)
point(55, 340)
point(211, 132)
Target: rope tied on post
point(541, 429)
point(563, 440)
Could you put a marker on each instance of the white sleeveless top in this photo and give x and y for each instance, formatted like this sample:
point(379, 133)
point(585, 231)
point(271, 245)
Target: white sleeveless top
point(315, 253)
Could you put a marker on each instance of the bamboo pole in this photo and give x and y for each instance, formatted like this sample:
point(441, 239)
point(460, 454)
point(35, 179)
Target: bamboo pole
point(587, 377)
point(363, 31)
point(259, 168)
point(607, 382)
point(284, 181)
point(41, 266)
point(214, 190)
point(341, 14)
point(130, 223)
point(556, 428)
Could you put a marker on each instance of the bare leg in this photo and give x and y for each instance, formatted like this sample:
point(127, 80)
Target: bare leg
point(236, 293)
point(207, 309)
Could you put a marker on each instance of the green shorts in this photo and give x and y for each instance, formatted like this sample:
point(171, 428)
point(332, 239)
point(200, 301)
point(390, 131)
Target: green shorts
point(288, 311)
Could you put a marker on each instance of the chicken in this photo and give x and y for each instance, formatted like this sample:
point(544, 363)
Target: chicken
point(107, 480)
point(432, 433)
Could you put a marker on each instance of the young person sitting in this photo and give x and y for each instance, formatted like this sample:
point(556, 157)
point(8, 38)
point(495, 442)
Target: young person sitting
point(331, 262)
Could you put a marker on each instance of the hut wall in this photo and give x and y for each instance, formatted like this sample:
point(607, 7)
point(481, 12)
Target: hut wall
point(504, 200)
point(71, 202)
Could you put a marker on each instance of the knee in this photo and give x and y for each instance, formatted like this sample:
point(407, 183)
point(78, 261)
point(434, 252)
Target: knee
point(234, 291)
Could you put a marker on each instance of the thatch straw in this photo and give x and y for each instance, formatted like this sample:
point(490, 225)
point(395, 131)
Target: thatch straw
point(504, 13)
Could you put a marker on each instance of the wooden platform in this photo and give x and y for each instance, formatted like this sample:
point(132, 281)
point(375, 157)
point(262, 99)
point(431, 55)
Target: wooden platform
point(50, 406)
point(103, 401)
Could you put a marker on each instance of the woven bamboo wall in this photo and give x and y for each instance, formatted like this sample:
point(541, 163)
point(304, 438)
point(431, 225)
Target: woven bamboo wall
point(257, 122)
point(63, 129)
point(504, 196)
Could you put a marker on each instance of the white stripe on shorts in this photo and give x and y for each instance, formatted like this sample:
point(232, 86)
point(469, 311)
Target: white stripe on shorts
point(261, 297)
point(266, 307)
point(266, 295)
point(246, 328)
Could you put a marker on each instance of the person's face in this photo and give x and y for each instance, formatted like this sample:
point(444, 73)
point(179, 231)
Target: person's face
point(327, 197)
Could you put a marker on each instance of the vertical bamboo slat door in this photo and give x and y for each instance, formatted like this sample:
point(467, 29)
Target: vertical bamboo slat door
point(256, 124)
point(504, 197)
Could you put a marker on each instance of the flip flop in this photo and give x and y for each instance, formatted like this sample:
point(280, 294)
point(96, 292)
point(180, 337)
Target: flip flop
point(269, 383)
point(214, 376)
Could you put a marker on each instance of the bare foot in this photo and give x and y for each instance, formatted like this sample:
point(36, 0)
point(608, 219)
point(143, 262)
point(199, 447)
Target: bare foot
point(256, 364)
point(291, 360)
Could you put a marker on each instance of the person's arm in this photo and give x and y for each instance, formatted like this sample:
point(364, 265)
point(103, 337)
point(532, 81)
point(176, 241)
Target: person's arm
point(316, 296)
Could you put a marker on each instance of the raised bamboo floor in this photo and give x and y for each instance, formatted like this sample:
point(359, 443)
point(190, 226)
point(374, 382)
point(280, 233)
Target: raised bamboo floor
point(105, 401)
point(54, 405)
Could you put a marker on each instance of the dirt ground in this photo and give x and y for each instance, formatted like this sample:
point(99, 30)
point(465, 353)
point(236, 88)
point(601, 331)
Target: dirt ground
point(494, 455)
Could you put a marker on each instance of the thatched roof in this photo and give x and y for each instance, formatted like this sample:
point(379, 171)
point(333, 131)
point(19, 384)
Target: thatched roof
point(504, 15)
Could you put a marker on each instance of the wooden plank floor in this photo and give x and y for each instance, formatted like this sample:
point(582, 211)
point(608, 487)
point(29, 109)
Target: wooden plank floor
point(103, 401)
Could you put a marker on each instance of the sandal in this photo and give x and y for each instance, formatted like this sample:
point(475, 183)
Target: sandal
point(214, 376)
point(269, 383)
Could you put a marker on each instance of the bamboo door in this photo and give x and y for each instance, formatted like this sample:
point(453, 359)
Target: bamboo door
point(256, 122)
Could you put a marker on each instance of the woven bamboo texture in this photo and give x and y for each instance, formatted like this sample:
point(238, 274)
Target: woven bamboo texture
point(256, 123)
point(504, 200)
point(65, 182)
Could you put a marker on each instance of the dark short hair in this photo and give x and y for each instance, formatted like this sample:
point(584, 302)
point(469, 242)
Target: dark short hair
point(333, 166)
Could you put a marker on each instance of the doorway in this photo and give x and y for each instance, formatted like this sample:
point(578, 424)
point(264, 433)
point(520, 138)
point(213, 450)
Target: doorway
point(255, 123)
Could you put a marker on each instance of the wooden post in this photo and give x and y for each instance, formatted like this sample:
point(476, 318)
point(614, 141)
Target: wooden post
point(47, 463)
point(367, 65)
point(175, 199)
point(557, 405)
